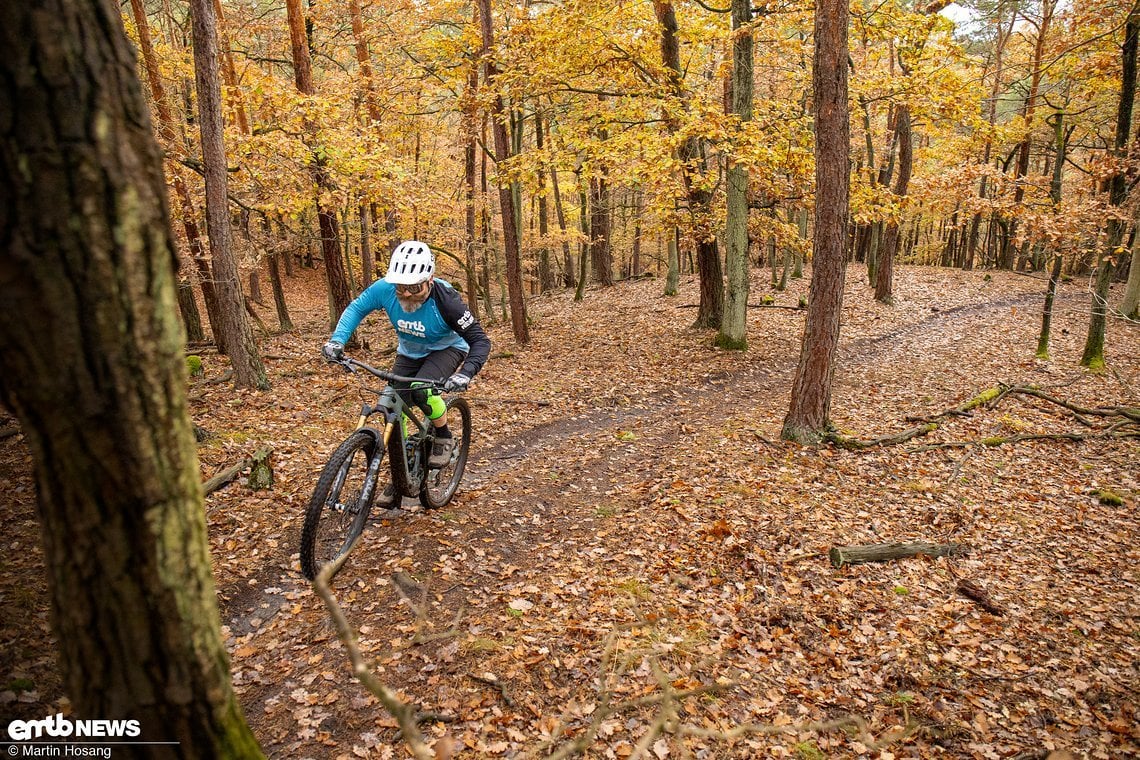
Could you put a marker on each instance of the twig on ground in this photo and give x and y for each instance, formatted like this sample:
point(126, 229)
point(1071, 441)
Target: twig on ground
point(404, 713)
point(497, 684)
point(979, 596)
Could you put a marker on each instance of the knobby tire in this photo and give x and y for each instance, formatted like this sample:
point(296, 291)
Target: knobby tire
point(336, 507)
point(439, 486)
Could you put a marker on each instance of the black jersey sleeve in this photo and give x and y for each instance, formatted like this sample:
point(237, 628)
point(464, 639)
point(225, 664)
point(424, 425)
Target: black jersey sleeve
point(459, 318)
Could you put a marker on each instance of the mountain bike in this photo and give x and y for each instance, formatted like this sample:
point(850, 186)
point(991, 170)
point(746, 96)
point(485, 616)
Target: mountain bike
point(348, 484)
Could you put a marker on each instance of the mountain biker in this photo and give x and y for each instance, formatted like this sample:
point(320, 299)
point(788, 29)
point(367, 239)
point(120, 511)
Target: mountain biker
point(438, 335)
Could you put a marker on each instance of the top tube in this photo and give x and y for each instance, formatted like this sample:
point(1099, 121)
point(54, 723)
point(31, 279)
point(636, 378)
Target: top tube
point(349, 363)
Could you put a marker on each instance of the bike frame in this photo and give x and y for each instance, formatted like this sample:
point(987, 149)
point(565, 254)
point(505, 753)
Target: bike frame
point(408, 464)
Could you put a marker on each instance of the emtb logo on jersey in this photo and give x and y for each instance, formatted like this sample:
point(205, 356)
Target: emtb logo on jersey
point(466, 320)
point(416, 328)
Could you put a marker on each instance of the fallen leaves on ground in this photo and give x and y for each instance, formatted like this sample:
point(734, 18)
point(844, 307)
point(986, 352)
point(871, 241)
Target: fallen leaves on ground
point(630, 527)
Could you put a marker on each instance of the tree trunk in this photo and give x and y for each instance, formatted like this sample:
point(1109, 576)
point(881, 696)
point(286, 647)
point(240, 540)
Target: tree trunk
point(884, 275)
point(601, 253)
point(326, 217)
point(673, 271)
point(364, 61)
point(690, 153)
point(235, 328)
point(584, 227)
point(560, 213)
point(639, 209)
point(1021, 169)
point(1093, 356)
point(1058, 123)
point(808, 414)
point(171, 139)
point(734, 329)
point(89, 252)
point(188, 308)
point(545, 270)
point(1130, 304)
point(470, 108)
point(511, 250)
point(283, 320)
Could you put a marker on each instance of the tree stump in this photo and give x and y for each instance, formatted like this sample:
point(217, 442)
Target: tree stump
point(857, 555)
point(261, 469)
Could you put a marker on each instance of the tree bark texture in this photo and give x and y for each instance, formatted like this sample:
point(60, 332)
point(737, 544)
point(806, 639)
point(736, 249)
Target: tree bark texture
point(238, 335)
point(171, 140)
point(733, 331)
point(884, 275)
point(511, 251)
point(89, 321)
point(601, 252)
point(807, 416)
point(1093, 356)
point(857, 555)
point(335, 274)
point(711, 309)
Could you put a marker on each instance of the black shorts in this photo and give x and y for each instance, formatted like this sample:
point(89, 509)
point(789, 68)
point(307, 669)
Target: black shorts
point(437, 366)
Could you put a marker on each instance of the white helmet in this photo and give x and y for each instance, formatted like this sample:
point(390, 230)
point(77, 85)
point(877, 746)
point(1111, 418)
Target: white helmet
point(412, 263)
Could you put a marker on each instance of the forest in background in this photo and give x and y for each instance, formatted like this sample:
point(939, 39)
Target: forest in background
point(351, 126)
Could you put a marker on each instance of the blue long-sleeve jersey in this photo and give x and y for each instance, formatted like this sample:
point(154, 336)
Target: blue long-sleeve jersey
point(442, 321)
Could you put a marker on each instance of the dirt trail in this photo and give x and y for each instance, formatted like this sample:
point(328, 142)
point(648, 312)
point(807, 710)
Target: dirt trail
point(529, 494)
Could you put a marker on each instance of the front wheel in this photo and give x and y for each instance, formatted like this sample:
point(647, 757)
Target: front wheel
point(440, 485)
point(341, 502)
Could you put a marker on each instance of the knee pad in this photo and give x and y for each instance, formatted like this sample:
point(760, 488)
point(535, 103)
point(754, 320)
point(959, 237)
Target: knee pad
point(436, 406)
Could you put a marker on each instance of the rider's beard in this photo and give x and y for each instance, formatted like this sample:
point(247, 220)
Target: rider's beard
point(411, 303)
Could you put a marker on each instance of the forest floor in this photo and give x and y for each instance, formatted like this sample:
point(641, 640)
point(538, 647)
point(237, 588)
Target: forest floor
point(635, 556)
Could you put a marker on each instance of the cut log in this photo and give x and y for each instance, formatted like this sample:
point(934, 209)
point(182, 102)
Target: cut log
point(226, 476)
point(260, 475)
point(857, 555)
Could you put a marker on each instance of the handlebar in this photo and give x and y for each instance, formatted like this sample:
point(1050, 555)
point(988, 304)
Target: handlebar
point(350, 364)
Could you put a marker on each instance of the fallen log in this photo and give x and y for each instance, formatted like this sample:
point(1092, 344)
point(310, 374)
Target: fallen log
point(261, 472)
point(857, 555)
point(225, 477)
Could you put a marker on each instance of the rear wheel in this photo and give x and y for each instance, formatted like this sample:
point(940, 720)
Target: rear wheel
point(440, 485)
point(340, 505)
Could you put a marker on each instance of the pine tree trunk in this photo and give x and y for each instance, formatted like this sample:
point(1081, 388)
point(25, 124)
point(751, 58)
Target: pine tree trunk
point(808, 414)
point(89, 252)
point(188, 308)
point(330, 243)
point(235, 328)
point(511, 249)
